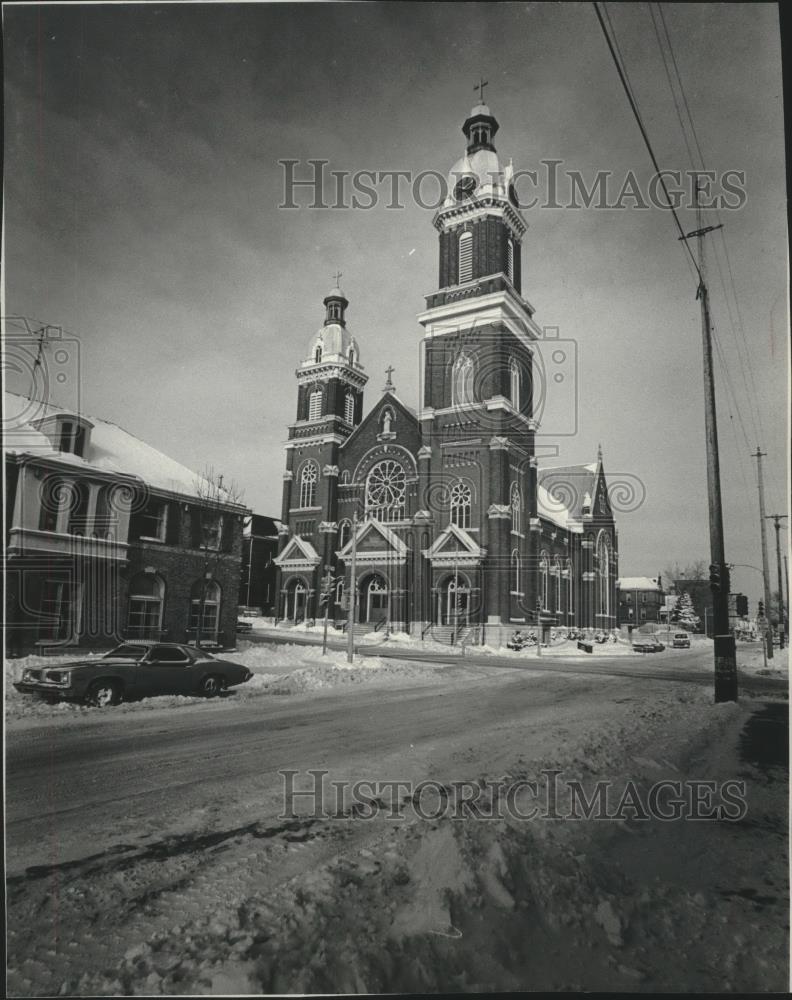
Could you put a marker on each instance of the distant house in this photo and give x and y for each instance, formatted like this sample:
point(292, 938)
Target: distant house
point(107, 538)
point(641, 600)
point(259, 549)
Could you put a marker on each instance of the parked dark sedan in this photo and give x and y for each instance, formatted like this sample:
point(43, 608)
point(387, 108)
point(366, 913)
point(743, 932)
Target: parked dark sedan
point(135, 669)
point(647, 646)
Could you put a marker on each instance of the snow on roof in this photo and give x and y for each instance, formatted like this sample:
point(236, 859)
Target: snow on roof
point(111, 448)
point(638, 583)
point(561, 489)
point(551, 508)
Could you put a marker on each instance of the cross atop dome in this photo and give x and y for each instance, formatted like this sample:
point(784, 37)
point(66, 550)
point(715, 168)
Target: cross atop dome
point(480, 88)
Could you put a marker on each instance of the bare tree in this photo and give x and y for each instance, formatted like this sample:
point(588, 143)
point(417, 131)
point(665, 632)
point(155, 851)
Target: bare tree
point(697, 570)
point(213, 520)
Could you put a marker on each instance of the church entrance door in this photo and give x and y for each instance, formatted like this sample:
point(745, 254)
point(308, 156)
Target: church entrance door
point(454, 602)
point(295, 602)
point(374, 606)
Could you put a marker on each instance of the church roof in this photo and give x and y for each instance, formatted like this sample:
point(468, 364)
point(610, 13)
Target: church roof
point(564, 488)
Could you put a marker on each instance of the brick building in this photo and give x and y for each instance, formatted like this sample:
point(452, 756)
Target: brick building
point(456, 526)
point(107, 538)
point(641, 600)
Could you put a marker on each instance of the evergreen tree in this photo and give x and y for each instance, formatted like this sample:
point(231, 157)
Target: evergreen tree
point(683, 613)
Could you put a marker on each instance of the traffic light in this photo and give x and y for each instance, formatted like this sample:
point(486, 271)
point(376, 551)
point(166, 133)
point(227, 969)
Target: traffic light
point(715, 577)
point(741, 605)
point(760, 612)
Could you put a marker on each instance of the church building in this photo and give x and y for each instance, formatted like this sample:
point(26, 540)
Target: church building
point(439, 522)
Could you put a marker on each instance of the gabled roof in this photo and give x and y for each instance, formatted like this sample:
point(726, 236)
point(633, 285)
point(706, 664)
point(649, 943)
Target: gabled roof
point(388, 397)
point(454, 546)
point(111, 449)
point(298, 554)
point(386, 539)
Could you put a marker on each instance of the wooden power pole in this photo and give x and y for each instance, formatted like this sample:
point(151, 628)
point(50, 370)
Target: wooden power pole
point(783, 617)
point(759, 455)
point(723, 640)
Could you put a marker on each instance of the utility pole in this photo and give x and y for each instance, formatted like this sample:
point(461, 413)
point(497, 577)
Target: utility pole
point(723, 640)
point(782, 612)
point(759, 455)
point(352, 593)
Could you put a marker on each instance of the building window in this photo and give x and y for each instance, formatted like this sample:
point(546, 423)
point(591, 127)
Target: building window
point(643, 614)
point(570, 588)
point(544, 570)
point(150, 523)
point(465, 257)
point(315, 405)
point(461, 502)
point(462, 381)
point(211, 607)
point(78, 509)
point(54, 491)
point(514, 384)
point(516, 509)
point(386, 491)
point(344, 533)
point(516, 572)
point(349, 408)
point(146, 596)
point(628, 598)
point(104, 519)
point(65, 437)
point(557, 571)
point(603, 575)
point(510, 260)
point(212, 529)
point(308, 480)
point(318, 354)
point(643, 598)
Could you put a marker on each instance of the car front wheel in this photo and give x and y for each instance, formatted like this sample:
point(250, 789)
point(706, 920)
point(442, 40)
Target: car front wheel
point(103, 693)
point(212, 686)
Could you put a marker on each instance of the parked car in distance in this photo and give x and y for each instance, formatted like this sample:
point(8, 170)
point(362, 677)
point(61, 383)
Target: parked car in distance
point(647, 645)
point(135, 669)
point(681, 640)
point(243, 627)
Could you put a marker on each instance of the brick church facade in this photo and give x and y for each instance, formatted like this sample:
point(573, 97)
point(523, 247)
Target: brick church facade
point(455, 526)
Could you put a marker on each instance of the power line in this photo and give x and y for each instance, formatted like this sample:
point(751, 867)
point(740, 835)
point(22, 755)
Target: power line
point(647, 143)
point(737, 327)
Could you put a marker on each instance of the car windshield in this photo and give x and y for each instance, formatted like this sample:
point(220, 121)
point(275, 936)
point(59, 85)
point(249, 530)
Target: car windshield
point(128, 652)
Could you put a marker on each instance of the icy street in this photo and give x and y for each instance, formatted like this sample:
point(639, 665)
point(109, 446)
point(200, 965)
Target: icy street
point(145, 853)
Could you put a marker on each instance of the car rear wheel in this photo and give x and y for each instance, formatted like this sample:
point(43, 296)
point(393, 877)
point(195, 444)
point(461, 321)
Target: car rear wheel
point(103, 693)
point(212, 686)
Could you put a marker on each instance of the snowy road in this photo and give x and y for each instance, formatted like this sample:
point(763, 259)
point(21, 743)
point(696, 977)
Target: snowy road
point(146, 854)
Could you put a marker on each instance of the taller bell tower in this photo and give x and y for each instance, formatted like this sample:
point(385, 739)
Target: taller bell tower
point(477, 421)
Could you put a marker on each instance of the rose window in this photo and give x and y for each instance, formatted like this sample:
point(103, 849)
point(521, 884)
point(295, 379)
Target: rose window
point(386, 489)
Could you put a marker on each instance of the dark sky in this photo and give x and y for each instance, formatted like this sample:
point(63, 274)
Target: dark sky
point(142, 190)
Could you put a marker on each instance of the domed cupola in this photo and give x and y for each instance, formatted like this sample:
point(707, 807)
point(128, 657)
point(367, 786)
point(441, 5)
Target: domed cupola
point(480, 129)
point(332, 342)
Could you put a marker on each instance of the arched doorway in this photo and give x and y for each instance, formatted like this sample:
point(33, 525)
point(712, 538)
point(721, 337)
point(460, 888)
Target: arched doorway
point(453, 601)
point(296, 600)
point(373, 600)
